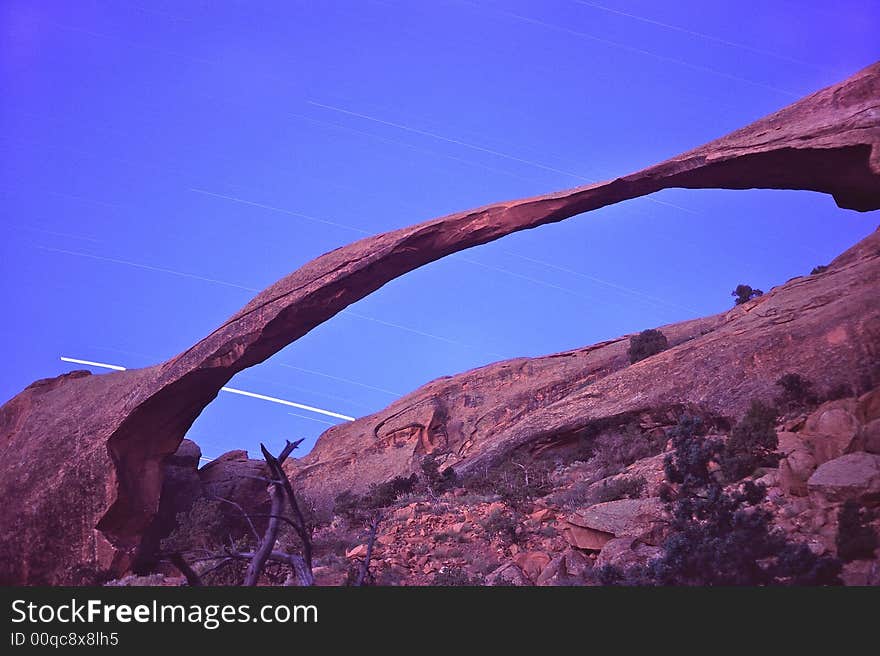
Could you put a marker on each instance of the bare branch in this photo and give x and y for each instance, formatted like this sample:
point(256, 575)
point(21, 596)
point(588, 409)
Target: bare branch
point(365, 566)
point(264, 548)
point(180, 563)
point(210, 570)
point(277, 471)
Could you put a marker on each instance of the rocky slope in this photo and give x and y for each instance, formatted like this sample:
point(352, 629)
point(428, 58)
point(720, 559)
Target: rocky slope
point(588, 513)
point(825, 327)
point(84, 455)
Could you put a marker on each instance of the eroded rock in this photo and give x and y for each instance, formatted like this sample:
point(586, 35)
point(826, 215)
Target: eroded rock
point(84, 455)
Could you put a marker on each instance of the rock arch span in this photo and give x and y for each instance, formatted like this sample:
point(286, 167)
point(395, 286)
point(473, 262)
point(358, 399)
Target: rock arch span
point(102, 439)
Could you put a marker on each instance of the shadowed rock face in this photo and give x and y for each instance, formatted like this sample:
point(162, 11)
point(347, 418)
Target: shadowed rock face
point(83, 455)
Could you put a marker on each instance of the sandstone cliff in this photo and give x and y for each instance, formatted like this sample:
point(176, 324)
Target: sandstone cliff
point(825, 327)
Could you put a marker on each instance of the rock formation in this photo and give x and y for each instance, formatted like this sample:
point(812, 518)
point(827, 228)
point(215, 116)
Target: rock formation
point(825, 327)
point(102, 440)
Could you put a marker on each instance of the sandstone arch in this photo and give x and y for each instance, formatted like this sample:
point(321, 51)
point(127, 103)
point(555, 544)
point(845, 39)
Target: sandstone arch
point(109, 434)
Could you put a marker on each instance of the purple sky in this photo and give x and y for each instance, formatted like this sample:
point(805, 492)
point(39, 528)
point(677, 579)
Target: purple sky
point(163, 160)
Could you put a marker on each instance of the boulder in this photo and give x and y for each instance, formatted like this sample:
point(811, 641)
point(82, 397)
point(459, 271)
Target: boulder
point(508, 574)
point(853, 476)
point(788, 442)
point(575, 564)
point(626, 552)
point(542, 515)
point(592, 528)
point(833, 430)
point(868, 407)
point(231, 476)
point(871, 436)
point(532, 563)
point(550, 574)
point(794, 471)
point(358, 552)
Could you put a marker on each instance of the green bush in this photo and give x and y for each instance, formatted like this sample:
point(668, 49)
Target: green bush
point(204, 526)
point(744, 293)
point(822, 268)
point(688, 464)
point(855, 537)
point(621, 488)
point(645, 344)
point(455, 576)
point(615, 450)
point(752, 443)
point(378, 495)
point(501, 524)
point(436, 480)
point(797, 392)
point(517, 480)
point(719, 537)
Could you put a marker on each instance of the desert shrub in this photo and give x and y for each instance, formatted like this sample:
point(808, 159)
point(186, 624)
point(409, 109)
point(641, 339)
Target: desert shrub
point(613, 451)
point(588, 493)
point(436, 480)
point(203, 526)
point(744, 293)
point(645, 344)
point(502, 525)
point(822, 268)
point(378, 495)
point(718, 536)
point(579, 494)
point(381, 495)
point(752, 443)
point(517, 480)
point(855, 537)
point(347, 504)
point(620, 488)
point(391, 577)
point(455, 576)
point(724, 538)
point(797, 392)
point(333, 541)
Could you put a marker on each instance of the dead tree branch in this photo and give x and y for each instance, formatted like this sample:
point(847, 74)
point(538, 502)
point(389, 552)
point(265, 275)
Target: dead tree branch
point(192, 577)
point(365, 566)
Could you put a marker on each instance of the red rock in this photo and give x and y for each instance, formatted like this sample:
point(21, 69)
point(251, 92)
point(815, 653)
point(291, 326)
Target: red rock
point(868, 407)
point(360, 551)
point(234, 476)
point(853, 476)
point(532, 563)
point(871, 436)
point(626, 552)
point(543, 515)
point(585, 538)
point(832, 430)
point(550, 573)
point(508, 575)
point(576, 564)
point(716, 365)
point(621, 518)
point(795, 470)
point(104, 439)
